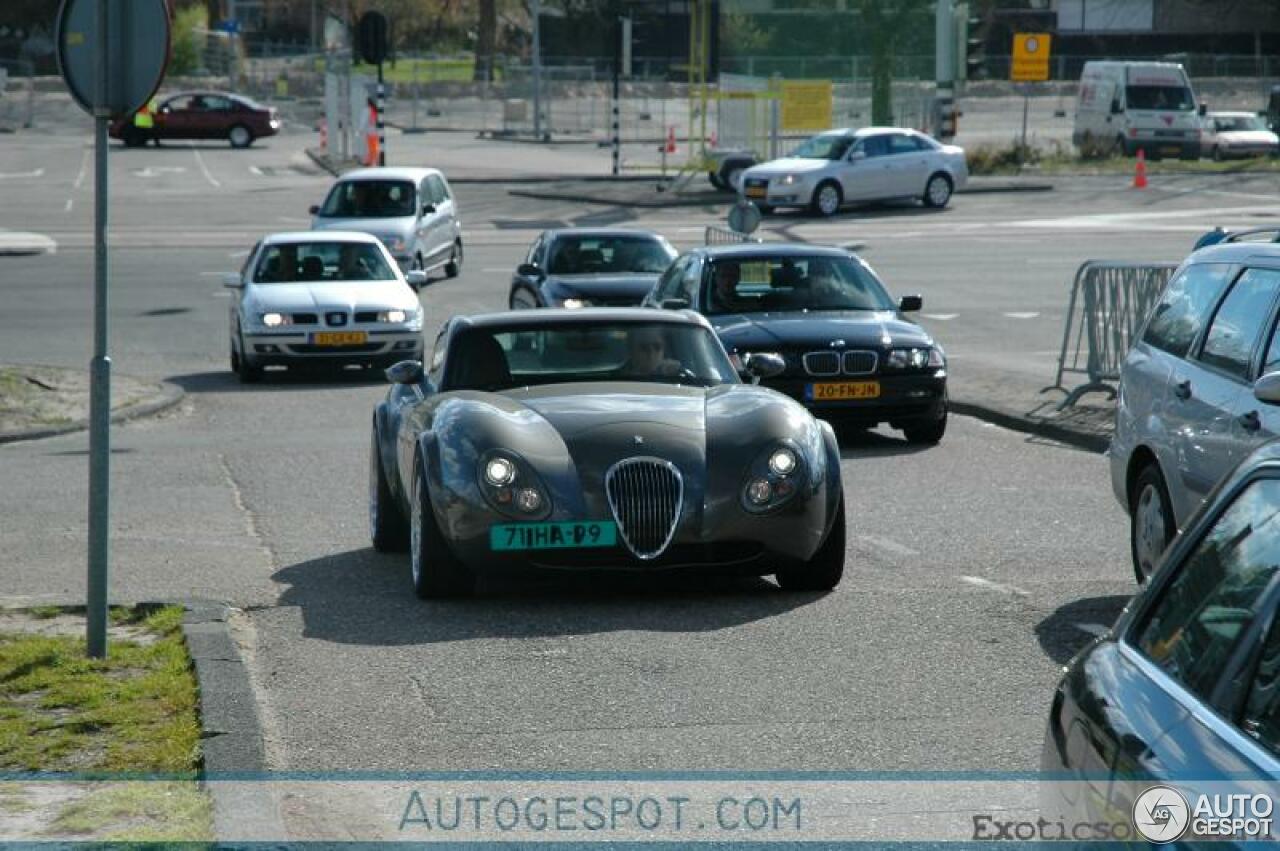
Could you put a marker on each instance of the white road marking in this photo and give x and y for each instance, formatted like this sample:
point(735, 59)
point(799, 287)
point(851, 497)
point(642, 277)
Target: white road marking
point(84, 170)
point(1031, 314)
point(19, 174)
point(1091, 628)
point(998, 587)
point(236, 255)
point(887, 544)
point(941, 317)
point(157, 170)
point(70, 203)
point(293, 220)
point(255, 170)
point(204, 168)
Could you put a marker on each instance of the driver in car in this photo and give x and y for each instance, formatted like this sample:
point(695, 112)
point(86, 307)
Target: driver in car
point(647, 356)
point(725, 290)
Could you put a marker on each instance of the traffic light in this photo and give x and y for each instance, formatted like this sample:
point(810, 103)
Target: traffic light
point(973, 48)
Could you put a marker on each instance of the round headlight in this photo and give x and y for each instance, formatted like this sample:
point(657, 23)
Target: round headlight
point(575, 303)
point(759, 491)
point(782, 462)
point(271, 320)
point(499, 472)
point(528, 500)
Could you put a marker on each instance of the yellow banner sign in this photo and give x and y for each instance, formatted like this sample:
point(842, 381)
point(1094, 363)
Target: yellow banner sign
point(1030, 57)
point(806, 105)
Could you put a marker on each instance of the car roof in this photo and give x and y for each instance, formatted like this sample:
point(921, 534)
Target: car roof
point(771, 249)
point(601, 231)
point(385, 173)
point(203, 92)
point(588, 316)
point(318, 236)
point(1237, 252)
point(860, 132)
point(1233, 114)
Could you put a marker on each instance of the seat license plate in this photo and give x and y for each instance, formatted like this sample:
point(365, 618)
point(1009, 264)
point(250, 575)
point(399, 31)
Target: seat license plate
point(339, 338)
point(756, 192)
point(832, 391)
point(549, 536)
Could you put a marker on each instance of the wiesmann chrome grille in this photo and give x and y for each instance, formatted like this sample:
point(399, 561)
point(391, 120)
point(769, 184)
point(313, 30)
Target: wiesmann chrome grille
point(645, 496)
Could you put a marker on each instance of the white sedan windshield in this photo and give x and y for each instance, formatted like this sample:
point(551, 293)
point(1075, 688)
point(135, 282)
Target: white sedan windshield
point(306, 262)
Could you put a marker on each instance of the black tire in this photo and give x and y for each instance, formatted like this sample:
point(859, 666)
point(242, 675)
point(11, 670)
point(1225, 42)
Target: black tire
point(816, 203)
point(928, 432)
point(528, 294)
point(765, 209)
point(1217, 154)
point(248, 373)
point(388, 529)
point(133, 137)
point(240, 136)
point(823, 571)
point(716, 181)
point(235, 359)
point(1149, 485)
point(731, 170)
point(934, 196)
point(435, 570)
point(454, 266)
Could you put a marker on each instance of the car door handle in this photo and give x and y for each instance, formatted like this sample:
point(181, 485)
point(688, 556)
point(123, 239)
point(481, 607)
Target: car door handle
point(1250, 421)
point(1182, 389)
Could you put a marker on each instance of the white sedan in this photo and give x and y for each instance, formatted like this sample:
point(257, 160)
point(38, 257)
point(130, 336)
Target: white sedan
point(871, 164)
point(327, 297)
point(1237, 134)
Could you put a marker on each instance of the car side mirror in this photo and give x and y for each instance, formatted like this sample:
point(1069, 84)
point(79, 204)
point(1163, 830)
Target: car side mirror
point(764, 364)
point(405, 372)
point(675, 304)
point(857, 155)
point(529, 270)
point(1115, 107)
point(1267, 388)
point(1204, 110)
point(428, 209)
point(910, 303)
point(314, 209)
point(416, 278)
point(232, 281)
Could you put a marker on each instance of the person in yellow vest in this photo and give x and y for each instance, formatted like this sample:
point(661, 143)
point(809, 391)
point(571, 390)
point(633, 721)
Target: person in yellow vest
point(144, 122)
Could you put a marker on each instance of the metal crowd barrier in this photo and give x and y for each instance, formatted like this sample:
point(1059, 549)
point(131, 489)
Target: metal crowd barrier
point(1109, 303)
point(717, 235)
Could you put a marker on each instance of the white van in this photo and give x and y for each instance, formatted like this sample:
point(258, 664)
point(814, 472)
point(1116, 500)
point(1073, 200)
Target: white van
point(1125, 107)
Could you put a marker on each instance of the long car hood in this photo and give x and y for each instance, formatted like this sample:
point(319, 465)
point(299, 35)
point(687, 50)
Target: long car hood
point(604, 286)
point(758, 331)
point(333, 296)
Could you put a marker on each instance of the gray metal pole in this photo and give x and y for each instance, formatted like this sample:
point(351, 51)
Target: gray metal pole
point(382, 111)
point(537, 70)
point(99, 370)
point(944, 61)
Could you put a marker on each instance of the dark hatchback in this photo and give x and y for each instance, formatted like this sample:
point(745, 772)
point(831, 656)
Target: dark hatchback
point(852, 356)
point(1184, 691)
point(203, 115)
point(589, 267)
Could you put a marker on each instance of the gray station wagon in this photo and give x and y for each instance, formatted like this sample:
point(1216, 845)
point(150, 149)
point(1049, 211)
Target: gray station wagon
point(1199, 390)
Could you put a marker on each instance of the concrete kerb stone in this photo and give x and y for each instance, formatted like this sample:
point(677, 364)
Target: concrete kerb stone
point(168, 395)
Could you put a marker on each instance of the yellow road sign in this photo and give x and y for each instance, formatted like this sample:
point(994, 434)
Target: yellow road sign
point(806, 105)
point(1030, 57)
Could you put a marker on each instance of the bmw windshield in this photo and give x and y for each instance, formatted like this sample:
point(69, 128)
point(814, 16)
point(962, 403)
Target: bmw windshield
point(507, 358)
point(789, 283)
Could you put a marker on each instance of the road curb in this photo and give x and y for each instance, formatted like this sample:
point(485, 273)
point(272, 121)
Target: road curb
point(1027, 425)
point(970, 189)
point(170, 395)
point(231, 738)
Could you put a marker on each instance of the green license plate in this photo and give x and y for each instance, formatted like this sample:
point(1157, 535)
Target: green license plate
point(549, 536)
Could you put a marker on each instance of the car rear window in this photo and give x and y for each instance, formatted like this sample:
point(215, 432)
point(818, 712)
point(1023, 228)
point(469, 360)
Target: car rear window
point(370, 199)
point(597, 255)
point(1185, 306)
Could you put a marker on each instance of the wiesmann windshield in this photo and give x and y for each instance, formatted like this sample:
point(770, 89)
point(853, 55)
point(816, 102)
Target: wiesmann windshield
point(827, 146)
point(370, 199)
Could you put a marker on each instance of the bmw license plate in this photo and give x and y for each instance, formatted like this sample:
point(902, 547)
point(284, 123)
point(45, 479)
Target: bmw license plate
point(756, 192)
point(548, 536)
point(339, 338)
point(836, 391)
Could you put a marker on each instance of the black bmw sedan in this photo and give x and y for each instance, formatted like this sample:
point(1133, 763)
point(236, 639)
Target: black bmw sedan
point(852, 355)
point(1172, 718)
point(589, 267)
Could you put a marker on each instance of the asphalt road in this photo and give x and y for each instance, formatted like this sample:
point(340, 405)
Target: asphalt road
point(975, 568)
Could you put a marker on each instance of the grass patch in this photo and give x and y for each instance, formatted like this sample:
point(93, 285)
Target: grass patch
point(154, 811)
point(44, 613)
point(1013, 159)
point(134, 711)
point(427, 70)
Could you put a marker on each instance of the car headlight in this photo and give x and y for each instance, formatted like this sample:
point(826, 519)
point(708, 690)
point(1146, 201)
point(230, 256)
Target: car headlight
point(510, 485)
point(397, 316)
point(275, 320)
point(773, 479)
point(788, 180)
point(575, 303)
point(915, 358)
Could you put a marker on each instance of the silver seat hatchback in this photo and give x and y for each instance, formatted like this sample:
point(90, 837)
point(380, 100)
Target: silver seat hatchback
point(1199, 390)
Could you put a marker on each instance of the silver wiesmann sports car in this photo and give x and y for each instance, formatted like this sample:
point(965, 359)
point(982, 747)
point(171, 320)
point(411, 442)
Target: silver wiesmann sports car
point(608, 438)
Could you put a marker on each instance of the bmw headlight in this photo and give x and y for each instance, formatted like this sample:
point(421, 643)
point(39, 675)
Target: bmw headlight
point(275, 320)
point(921, 357)
point(575, 303)
point(773, 479)
point(510, 485)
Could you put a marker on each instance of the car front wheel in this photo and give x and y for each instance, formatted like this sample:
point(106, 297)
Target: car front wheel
point(454, 267)
point(436, 571)
point(240, 136)
point(927, 432)
point(247, 372)
point(827, 199)
point(937, 192)
point(1151, 522)
point(824, 570)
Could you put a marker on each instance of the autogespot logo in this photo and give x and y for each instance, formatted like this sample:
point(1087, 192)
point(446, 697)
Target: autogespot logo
point(1161, 814)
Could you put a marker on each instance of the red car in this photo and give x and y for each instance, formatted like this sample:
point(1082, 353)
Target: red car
point(203, 115)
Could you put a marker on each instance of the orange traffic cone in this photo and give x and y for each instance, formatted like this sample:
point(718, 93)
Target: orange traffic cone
point(1140, 174)
point(671, 140)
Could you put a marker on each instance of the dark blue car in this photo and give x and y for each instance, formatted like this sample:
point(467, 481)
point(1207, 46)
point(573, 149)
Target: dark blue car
point(589, 267)
point(1184, 691)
